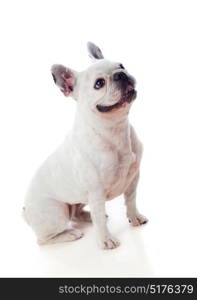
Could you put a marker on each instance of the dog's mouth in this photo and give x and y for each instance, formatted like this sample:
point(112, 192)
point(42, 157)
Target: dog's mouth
point(125, 99)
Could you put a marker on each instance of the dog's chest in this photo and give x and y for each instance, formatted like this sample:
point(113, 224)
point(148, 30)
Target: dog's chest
point(114, 169)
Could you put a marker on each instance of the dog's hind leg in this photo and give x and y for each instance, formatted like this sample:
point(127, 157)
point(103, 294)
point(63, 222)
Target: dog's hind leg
point(77, 213)
point(68, 235)
point(50, 220)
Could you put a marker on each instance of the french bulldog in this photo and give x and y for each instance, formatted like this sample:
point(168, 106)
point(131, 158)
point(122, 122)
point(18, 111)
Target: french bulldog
point(98, 161)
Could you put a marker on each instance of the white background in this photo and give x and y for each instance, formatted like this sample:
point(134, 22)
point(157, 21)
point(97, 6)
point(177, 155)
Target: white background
point(156, 41)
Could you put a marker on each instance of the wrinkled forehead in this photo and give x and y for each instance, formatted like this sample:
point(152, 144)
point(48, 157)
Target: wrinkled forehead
point(103, 66)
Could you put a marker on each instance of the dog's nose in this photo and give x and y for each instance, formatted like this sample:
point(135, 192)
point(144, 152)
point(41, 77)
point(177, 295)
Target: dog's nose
point(120, 76)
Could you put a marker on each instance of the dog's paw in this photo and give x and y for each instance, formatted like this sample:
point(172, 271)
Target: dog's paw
point(109, 243)
point(74, 234)
point(65, 236)
point(137, 220)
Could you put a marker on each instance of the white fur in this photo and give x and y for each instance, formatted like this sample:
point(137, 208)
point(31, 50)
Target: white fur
point(98, 161)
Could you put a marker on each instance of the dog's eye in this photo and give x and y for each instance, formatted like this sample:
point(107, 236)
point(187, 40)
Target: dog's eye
point(99, 83)
point(121, 66)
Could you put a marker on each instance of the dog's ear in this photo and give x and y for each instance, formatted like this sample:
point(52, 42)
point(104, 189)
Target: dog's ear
point(65, 79)
point(94, 51)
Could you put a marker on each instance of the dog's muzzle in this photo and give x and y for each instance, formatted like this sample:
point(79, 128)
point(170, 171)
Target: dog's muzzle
point(127, 97)
point(126, 84)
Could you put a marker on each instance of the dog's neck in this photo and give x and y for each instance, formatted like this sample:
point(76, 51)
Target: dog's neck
point(115, 128)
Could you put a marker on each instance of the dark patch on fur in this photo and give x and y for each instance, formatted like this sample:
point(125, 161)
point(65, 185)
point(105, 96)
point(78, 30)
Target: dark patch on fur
point(54, 77)
point(120, 76)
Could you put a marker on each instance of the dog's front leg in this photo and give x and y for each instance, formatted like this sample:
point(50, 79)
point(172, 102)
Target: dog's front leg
point(97, 208)
point(130, 201)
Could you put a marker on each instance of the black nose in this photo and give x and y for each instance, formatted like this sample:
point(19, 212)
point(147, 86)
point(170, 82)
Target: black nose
point(120, 76)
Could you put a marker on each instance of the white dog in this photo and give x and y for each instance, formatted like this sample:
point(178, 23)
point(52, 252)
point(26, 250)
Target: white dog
point(98, 161)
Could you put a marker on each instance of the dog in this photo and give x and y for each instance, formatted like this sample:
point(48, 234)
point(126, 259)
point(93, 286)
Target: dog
point(98, 161)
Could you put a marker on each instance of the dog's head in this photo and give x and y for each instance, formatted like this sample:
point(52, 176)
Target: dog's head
point(104, 88)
